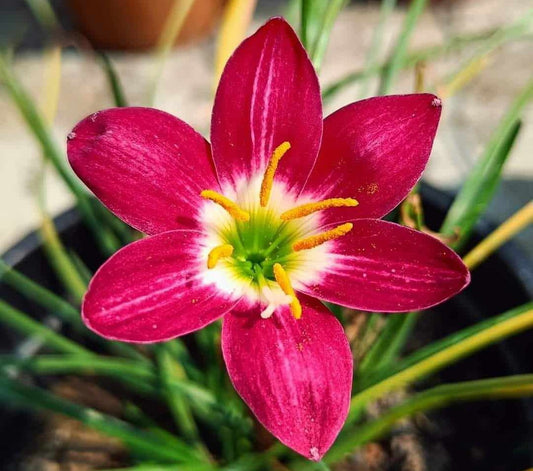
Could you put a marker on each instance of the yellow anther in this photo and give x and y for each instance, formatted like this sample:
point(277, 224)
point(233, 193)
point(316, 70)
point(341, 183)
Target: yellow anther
point(318, 239)
point(309, 208)
point(220, 251)
point(268, 177)
point(285, 284)
point(231, 207)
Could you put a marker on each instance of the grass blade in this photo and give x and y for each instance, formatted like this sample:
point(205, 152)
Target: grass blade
point(456, 43)
point(317, 19)
point(174, 22)
point(59, 307)
point(27, 326)
point(442, 353)
point(437, 397)
point(481, 184)
point(139, 441)
point(41, 131)
point(119, 97)
point(169, 369)
point(416, 8)
point(387, 7)
point(60, 261)
point(516, 223)
point(235, 22)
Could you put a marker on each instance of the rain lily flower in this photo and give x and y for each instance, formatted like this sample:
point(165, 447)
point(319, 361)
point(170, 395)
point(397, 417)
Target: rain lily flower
point(279, 213)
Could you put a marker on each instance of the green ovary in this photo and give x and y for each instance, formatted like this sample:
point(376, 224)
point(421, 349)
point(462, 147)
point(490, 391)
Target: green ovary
point(260, 243)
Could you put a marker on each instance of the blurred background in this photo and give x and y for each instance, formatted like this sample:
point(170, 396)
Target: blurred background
point(498, 63)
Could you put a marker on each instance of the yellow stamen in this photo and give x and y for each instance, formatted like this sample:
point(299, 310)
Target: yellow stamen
point(318, 239)
point(268, 178)
point(309, 208)
point(227, 204)
point(220, 251)
point(285, 284)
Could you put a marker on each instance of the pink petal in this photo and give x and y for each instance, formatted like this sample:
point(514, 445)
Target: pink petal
point(268, 94)
point(295, 375)
point(153, 290)
point(374, 151)
point(381, 266)
point(146, 166)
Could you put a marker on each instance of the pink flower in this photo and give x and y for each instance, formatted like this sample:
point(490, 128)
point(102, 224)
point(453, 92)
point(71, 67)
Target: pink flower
point(225, 238)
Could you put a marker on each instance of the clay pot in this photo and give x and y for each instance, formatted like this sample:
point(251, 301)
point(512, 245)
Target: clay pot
point(137, 24)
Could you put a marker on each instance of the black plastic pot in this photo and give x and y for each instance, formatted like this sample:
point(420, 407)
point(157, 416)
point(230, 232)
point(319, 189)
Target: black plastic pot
point(484, 436)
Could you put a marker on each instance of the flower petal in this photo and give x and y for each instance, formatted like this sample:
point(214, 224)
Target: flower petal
point(374, 151)
point(153, 290)
point(268, 94)
point(145, 165)
point(295, 375)
point(381, 266)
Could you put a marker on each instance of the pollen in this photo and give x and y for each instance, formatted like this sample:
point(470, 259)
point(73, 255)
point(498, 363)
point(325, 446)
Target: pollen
point(232, 208)
point(285, 284)
point(268, 177)
point(220, 251)
point(310, 208)
point(318, 239)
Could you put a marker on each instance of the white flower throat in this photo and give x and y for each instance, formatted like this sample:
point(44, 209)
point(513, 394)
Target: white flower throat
point(261, 244)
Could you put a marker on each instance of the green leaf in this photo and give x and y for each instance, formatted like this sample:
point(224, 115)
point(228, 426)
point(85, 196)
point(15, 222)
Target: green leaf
point(456, 43)
point(27, 326)
point(317, 20)
point(387, 346)
point(51, 151)
point(416, 8)
point(441, 354)
point(139, 441)
point(60, 261)
point(481, 184)
point(387, 7)
point(169, 369)
point(437, 397)
point(119, 98)
point(60, 308)
point(138, 376)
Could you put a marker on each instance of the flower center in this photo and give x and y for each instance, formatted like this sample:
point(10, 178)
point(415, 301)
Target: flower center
point(262, 241)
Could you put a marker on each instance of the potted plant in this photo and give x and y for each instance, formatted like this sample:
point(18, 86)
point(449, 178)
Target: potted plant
point(243, 244)
point(135, 25)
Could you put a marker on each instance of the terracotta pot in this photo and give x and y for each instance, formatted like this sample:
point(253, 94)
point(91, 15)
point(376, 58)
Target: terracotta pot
point(137, 24)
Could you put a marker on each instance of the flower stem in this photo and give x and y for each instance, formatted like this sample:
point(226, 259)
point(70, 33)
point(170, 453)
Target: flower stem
point(506, 231)
point(440, 354)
